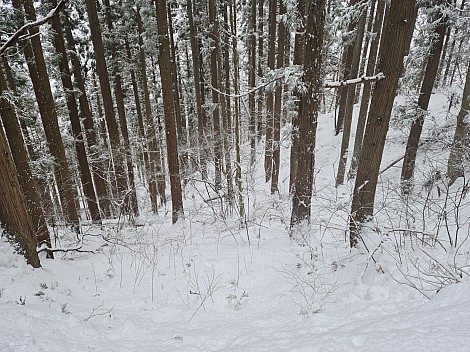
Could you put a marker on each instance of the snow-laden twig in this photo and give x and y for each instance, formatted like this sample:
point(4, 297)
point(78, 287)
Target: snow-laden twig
point(14, 38)
point(352, 81)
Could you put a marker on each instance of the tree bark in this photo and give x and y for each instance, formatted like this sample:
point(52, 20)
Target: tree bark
point(65, 77)
point(268, 154)
point(13, 210)
point(460, 150)
point(130, 198)
point(20, 158)
point(214, 56)
point(391, 64)
point(370, 70)
point(164, 62)
point(349, 91)
point(278, 101)
point(308, 111)
point(423, 103)
point(298, 60)
point(89, 125)
point(42, 89)
point(198, 90)
point(105, 87)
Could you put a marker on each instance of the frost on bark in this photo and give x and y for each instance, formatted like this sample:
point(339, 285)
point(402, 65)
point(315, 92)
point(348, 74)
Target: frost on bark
point(391, 57)
point(308, 111)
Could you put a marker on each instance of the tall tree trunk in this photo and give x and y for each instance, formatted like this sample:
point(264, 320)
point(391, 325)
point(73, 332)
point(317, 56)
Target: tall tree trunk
point(298, 60)
point(391, 64)
point(346, 62)
point(180, 121)
point(153, 148)
point(214, 35)
point(130, 198)
point(268, 154)
point(198, 90)
point(278, 101)
point(25, 176)
point(252, 79)
point(72, 108)
point(13, 209)
point(350, 95)
point(238, 175)
point(461, 143)
point(164, 61)
point(225, 104)
point(423, 102)
point(103, 75)
point(140, 120)
point(308, 111)
point(42, 89)
point(370, 70)
point(88, 124)
point(260, 99)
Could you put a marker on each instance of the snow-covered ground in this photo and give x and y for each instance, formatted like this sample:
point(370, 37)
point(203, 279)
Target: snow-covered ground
point(208, 284)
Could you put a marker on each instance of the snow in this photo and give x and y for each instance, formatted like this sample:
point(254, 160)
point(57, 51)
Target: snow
point(207, 284)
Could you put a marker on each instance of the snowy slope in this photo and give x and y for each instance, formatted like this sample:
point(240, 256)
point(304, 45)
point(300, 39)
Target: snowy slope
point(207, 284)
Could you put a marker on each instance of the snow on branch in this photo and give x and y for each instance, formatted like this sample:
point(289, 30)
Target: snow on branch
point(14, 38)
point(348, 82)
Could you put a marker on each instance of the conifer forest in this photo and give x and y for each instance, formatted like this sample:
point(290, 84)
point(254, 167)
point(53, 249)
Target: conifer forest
point(235, 175)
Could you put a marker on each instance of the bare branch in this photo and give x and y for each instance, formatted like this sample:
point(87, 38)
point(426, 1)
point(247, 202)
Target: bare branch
point(15, 37)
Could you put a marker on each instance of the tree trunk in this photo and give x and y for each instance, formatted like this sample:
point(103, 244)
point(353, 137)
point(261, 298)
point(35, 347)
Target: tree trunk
point(361, 122)
point(164, 62)
point(25, 177)
point(103, 75)
point(346, 62)
point(88, 124)
point(261, 118)
point(85, 174)
point(238, 175)
point(42, 89)
point(217, 139)
point(130, 196)
point(268, 154)
point(308, 111)
point(252, 80)
point(278, 102)
point(349, 91)
point(225, 105)
point(391, 64)
point(13, 210)
point(198, 90)
point(298, 60)
point(423, 102)
point(143, 155)
point(460, 150)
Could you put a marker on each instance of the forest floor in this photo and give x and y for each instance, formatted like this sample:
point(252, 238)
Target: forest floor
point(209, 284)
